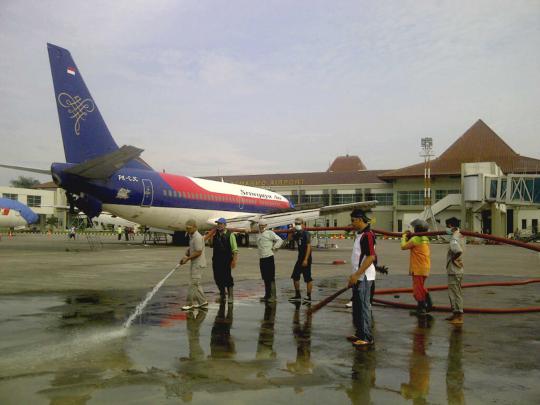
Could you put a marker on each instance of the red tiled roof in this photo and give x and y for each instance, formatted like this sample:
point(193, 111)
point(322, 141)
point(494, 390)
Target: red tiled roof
point(478, 144)
point(346, 164)
point(45, 186)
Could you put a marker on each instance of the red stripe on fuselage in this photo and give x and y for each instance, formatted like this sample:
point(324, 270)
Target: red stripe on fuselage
point(186, 185)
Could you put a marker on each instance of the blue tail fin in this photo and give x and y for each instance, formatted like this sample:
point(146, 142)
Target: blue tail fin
point(84, 132)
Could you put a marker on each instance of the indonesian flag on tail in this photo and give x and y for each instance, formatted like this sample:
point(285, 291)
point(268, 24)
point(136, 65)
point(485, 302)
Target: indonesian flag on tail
point(71, 71)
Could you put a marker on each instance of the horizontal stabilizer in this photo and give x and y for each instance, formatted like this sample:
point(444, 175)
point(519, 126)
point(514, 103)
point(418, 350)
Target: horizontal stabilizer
point(27, 169)
point(104, 166)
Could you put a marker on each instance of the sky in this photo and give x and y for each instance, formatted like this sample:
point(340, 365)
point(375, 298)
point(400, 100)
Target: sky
point(243, 87)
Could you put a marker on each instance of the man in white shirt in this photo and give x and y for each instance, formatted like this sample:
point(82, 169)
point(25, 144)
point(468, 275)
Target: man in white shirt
point(363, 273)
point(267, 243)
point(195, 254)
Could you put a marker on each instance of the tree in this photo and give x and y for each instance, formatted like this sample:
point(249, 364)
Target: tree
point(52, 221)
point(24, 182)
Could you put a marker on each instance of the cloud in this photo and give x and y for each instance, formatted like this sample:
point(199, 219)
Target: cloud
point(277, 87)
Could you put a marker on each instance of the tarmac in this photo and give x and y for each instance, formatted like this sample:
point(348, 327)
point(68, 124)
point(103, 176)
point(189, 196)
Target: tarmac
point(63, 341)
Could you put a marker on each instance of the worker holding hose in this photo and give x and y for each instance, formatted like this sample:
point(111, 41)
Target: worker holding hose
point(419, 265)
point(454, 269)
point(363, 274)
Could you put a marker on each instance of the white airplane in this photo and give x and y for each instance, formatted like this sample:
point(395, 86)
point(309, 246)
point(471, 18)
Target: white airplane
point(14, 214)
point(100, 176)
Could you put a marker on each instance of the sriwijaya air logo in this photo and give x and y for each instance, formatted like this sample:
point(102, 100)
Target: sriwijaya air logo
point(77, 108)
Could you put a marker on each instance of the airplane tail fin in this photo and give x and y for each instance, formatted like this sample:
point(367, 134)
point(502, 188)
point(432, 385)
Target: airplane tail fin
point(84, 132)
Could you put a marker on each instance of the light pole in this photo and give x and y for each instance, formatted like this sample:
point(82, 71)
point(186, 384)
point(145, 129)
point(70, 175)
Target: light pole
point(427, 153)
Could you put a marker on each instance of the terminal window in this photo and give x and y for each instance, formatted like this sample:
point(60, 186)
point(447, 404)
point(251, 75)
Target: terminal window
point(10, 196)
point(415, 197)
point(34, 201)
point(440, 194)
point(382, 198)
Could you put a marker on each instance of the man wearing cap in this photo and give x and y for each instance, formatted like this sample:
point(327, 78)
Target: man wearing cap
point(454, 269)
point(419, 265)
point(195, 254)
point(267, 243)
point(363, 274)
point(303, 263)
point(225, 252)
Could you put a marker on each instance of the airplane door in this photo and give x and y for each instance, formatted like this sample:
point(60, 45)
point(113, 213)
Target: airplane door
point(148, 193)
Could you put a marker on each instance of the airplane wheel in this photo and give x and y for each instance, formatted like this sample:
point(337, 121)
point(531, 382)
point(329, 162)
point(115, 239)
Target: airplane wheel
point(180, 238)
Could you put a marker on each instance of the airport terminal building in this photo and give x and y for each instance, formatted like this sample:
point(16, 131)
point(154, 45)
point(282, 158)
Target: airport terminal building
point(478, 179)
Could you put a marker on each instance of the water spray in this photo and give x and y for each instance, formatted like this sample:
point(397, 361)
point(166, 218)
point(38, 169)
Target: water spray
point(140, 307)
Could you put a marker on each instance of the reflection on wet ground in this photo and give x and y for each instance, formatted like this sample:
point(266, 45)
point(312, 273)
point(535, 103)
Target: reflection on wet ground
point(71, 348)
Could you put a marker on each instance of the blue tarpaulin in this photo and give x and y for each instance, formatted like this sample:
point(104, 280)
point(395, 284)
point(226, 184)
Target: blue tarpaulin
point(29, 216)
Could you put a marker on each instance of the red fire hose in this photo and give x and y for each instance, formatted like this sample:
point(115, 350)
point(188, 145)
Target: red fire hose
point(387, 291)
point(467, 310)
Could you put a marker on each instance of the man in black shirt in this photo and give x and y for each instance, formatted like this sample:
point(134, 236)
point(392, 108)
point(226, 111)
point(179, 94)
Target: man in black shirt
point(303, 263)
point(225, 252)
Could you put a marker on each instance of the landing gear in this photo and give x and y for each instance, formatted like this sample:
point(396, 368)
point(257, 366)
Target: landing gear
point(180, 238)
point(243, 239)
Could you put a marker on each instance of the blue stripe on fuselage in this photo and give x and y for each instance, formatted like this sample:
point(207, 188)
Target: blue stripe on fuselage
point(125, 187)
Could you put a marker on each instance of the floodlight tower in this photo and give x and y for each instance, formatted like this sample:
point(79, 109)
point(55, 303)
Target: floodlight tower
point(427, 153)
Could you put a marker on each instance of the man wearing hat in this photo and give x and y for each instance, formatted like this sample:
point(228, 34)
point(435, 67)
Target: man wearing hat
point(454, 268)
point(419, 265)
point(225, 252)
point(303, 263)
point(195, 255)
point(267, 243)
point(363, 261)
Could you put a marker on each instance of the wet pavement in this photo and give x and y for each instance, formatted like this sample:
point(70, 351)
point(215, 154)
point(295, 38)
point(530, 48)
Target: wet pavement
point(65, 345)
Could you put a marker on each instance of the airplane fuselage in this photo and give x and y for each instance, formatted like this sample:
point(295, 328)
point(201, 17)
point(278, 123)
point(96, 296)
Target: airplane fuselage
point(11, 219)
point(167, 201)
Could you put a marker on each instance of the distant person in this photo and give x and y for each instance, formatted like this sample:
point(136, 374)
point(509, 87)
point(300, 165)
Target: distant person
point(363, 260)
point(72, 232)
point(195, 254)
point(419, 265)
point(303, 263)
point(126, 233)
point(267, 243)
point(119, 232)
point(225, 254)
point(454, 269)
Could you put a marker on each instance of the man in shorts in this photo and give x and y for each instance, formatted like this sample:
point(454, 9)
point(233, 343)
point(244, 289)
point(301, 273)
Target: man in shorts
point(303, 263)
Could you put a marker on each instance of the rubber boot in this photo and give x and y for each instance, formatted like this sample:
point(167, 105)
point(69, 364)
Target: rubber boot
point(230, 296)
point(266, 291)
point(429, 303)
point(422, 308)
point(272, 297)
point(416, 311)
point(221, 297)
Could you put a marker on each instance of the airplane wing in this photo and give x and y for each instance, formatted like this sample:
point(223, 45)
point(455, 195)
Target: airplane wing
point(285, 218)
point(335, 209)
point(27, 169)
point(104, 166)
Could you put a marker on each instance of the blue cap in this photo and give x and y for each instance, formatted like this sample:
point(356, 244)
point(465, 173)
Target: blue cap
point(221, 221)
